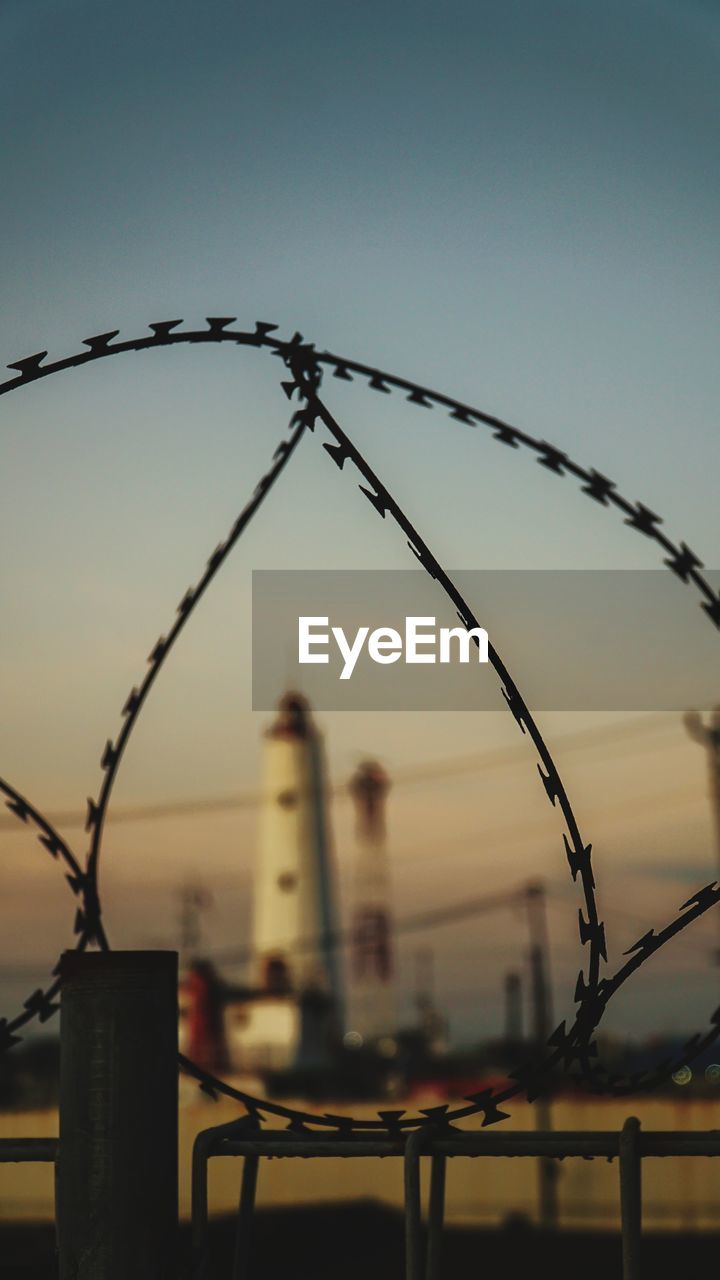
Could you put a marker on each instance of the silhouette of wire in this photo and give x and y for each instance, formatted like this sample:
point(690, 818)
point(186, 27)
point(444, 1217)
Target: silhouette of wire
point(88, 926)
point(573, 1048)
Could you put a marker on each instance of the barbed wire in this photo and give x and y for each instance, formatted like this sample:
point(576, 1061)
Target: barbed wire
point(41, 1004)
point(88, 926)
point(573, 1049)
point(591, 994)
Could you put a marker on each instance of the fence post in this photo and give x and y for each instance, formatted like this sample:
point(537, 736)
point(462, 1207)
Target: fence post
point(413, 1209)
point(630, 1197)
point(241, 1251)
point(436, 1215)
point(547, 1170)
point(117, 1184)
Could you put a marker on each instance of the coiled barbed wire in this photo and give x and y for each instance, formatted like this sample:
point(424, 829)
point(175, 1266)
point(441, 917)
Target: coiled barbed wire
point(571, 1049)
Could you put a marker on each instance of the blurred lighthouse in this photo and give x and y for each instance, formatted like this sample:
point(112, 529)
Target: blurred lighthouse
point(372, 1002)
point(295, 921)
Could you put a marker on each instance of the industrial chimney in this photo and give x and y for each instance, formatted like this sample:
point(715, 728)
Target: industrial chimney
point(372, 1001)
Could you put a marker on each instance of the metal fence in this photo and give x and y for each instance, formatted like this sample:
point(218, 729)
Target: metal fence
point(423, 1242)
point(117, 1156)
point(116, 1170)
point(423, 1232)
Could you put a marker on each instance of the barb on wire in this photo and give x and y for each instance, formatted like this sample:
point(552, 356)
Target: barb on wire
point(591, 929)
point(84, 883)
point(41, 1003)
point(113, 752)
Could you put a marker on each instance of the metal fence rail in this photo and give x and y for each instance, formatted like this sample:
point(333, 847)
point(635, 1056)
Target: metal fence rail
point(28, 1150)
point(422, 1262)
point(630, 1145)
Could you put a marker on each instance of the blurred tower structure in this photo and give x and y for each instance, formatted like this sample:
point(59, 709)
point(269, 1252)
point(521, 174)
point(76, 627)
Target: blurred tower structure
point(513, 1008)
point(433, 1025)
point(372, 1000)
point(708, 735)
point(193, 900)
point(295, 921)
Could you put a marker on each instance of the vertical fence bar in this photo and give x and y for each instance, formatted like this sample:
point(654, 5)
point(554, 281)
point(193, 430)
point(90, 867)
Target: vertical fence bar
point(548, 1212)
point(117, 1177)
point(199, 1181)
point(413, 1210)
point(630, 1197)
point(243, 1230)
point(436, 1214)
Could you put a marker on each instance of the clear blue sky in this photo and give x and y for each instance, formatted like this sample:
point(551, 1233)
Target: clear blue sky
point(513, 202)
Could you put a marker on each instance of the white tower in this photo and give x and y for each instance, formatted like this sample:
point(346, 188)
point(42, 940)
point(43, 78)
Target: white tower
point(373, 1013)
point(295, 921)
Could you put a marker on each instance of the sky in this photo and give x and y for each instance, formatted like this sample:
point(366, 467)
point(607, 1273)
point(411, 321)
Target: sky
point(513, 203)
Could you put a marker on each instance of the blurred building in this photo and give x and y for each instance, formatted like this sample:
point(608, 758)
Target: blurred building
point(201, 1004)
point(293, 1016)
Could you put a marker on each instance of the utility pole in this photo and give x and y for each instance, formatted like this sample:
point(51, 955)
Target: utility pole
point(513, 1008)
point(431, 1023)
point(708, 735)
point(539, 961)
point(424, 976)
point(193, 901)
point(541, 998)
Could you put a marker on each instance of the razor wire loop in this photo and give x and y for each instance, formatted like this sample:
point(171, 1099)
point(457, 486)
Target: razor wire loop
point(88, 925)
point(41, 1004)
point(568, 1048)
point(592, 995)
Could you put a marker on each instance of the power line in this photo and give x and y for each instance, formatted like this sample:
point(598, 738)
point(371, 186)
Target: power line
point(559, 897)
point(419, 921)
point(433, 918)
point(503, 757)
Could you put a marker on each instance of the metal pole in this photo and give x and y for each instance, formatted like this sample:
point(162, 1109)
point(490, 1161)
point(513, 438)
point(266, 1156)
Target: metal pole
point(513, 1008)
point(630, 1197)
point(241, 1255)
point(413, 1210)
point(436, 1214)
point(539, 961)
point(117, 1182)
point(199, 1179)
point(708, 735)
point(542, 1021)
